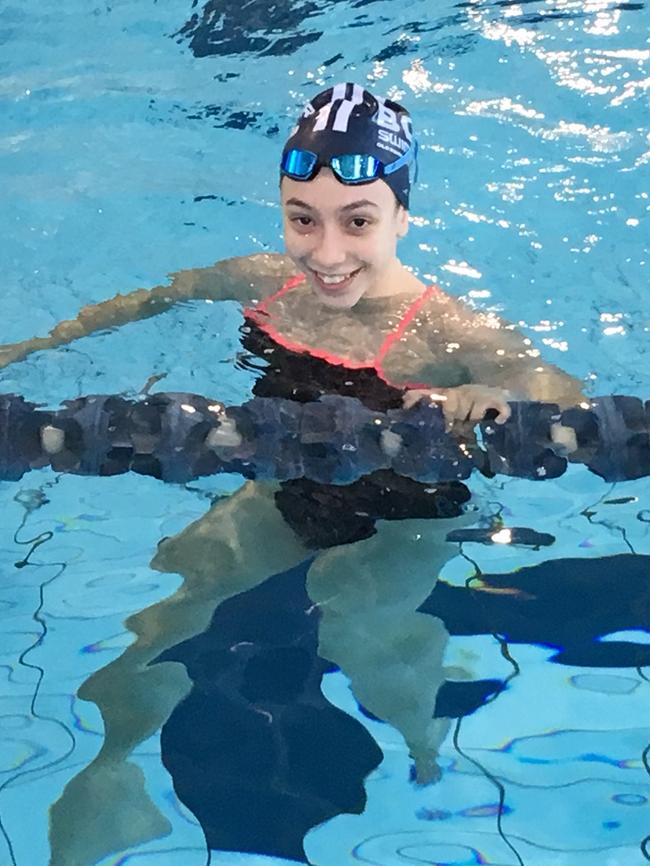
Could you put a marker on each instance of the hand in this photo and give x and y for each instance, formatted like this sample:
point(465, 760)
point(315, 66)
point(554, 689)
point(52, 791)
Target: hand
point(464, 403)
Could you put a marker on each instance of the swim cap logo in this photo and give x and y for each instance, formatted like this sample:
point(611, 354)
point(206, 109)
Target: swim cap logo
point(386, 117)
point(395, 133)
point(345, 97)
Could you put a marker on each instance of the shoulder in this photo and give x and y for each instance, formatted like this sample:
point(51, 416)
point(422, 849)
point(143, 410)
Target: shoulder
point(247, 279)
point(460, 317)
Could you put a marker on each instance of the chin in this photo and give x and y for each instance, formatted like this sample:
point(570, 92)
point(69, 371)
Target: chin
point(344, 301)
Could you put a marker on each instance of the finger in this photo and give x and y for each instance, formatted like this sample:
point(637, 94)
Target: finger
point(481, 407)
point(454, 410)
point(504, 410)
point(391, 443)
point(411, 398)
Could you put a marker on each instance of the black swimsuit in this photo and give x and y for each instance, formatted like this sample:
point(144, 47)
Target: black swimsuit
point(324, 515)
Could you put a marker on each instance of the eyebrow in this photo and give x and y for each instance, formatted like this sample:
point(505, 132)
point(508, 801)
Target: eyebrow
point(364, 202)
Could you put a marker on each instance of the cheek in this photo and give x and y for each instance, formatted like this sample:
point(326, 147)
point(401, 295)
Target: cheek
point(294, 242)
point(384, 245)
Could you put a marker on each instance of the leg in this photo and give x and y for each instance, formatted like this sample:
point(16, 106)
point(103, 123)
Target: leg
point(219, 556)
point(368, 594)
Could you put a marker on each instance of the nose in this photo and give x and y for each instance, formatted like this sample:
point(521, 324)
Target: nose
point(329, 251)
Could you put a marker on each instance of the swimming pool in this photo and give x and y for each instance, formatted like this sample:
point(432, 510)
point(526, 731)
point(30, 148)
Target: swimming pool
point(138, 139)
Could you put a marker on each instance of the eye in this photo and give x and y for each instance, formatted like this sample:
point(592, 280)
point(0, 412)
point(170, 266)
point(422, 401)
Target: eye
point(360, 222)
point(302, 221)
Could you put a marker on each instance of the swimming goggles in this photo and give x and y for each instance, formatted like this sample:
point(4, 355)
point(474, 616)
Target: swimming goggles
point(348, 167)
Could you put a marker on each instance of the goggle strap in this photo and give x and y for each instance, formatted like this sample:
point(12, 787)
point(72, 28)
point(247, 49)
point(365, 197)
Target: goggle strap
point(371, 162)
point(402, 160)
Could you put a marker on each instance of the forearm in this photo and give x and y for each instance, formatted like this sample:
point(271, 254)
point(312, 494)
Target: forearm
point(545, 383)
point(241, 279)
point(112, 313)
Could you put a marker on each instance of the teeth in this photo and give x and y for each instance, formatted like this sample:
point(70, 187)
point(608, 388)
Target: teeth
point(332, 280)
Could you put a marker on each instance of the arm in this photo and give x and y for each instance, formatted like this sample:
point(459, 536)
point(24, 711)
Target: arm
point(494, 353)
point(244, 279)
point(478, 362)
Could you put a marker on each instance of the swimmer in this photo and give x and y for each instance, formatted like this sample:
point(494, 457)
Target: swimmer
point(345, 175)
point(337, 314)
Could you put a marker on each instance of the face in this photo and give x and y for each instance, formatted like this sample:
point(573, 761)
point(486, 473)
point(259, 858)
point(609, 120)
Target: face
point(343, 237)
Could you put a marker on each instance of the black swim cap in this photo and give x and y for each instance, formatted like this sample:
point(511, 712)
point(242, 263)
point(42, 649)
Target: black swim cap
point(347, 119)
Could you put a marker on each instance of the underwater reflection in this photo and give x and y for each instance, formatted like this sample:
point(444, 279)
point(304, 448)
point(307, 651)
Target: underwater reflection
point(255, 750)
point(255, 649)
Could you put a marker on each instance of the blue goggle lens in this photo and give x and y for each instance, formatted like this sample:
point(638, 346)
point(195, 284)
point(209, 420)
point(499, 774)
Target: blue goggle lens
point(356, 167)
point(299, 163)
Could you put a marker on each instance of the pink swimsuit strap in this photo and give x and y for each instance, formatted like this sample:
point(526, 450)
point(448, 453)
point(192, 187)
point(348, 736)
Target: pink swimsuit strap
point(260, 315)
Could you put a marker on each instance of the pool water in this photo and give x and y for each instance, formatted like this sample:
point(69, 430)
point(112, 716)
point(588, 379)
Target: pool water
point(138, 139)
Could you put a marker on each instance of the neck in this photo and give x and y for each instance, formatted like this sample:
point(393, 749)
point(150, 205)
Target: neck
point(396, 281)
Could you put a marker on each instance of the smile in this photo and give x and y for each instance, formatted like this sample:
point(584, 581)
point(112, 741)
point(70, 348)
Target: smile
point(334, 283)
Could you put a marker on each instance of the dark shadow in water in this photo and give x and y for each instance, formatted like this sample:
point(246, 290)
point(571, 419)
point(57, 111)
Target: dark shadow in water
point(567, 604)
point(256, 737)
point(452, 38)
point(231, 27)
point(222, 117)
point(457, 699)
point(228, 28)
point(219, 116)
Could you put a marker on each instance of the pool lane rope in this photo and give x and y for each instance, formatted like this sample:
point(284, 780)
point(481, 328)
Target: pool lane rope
point(177, 437)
